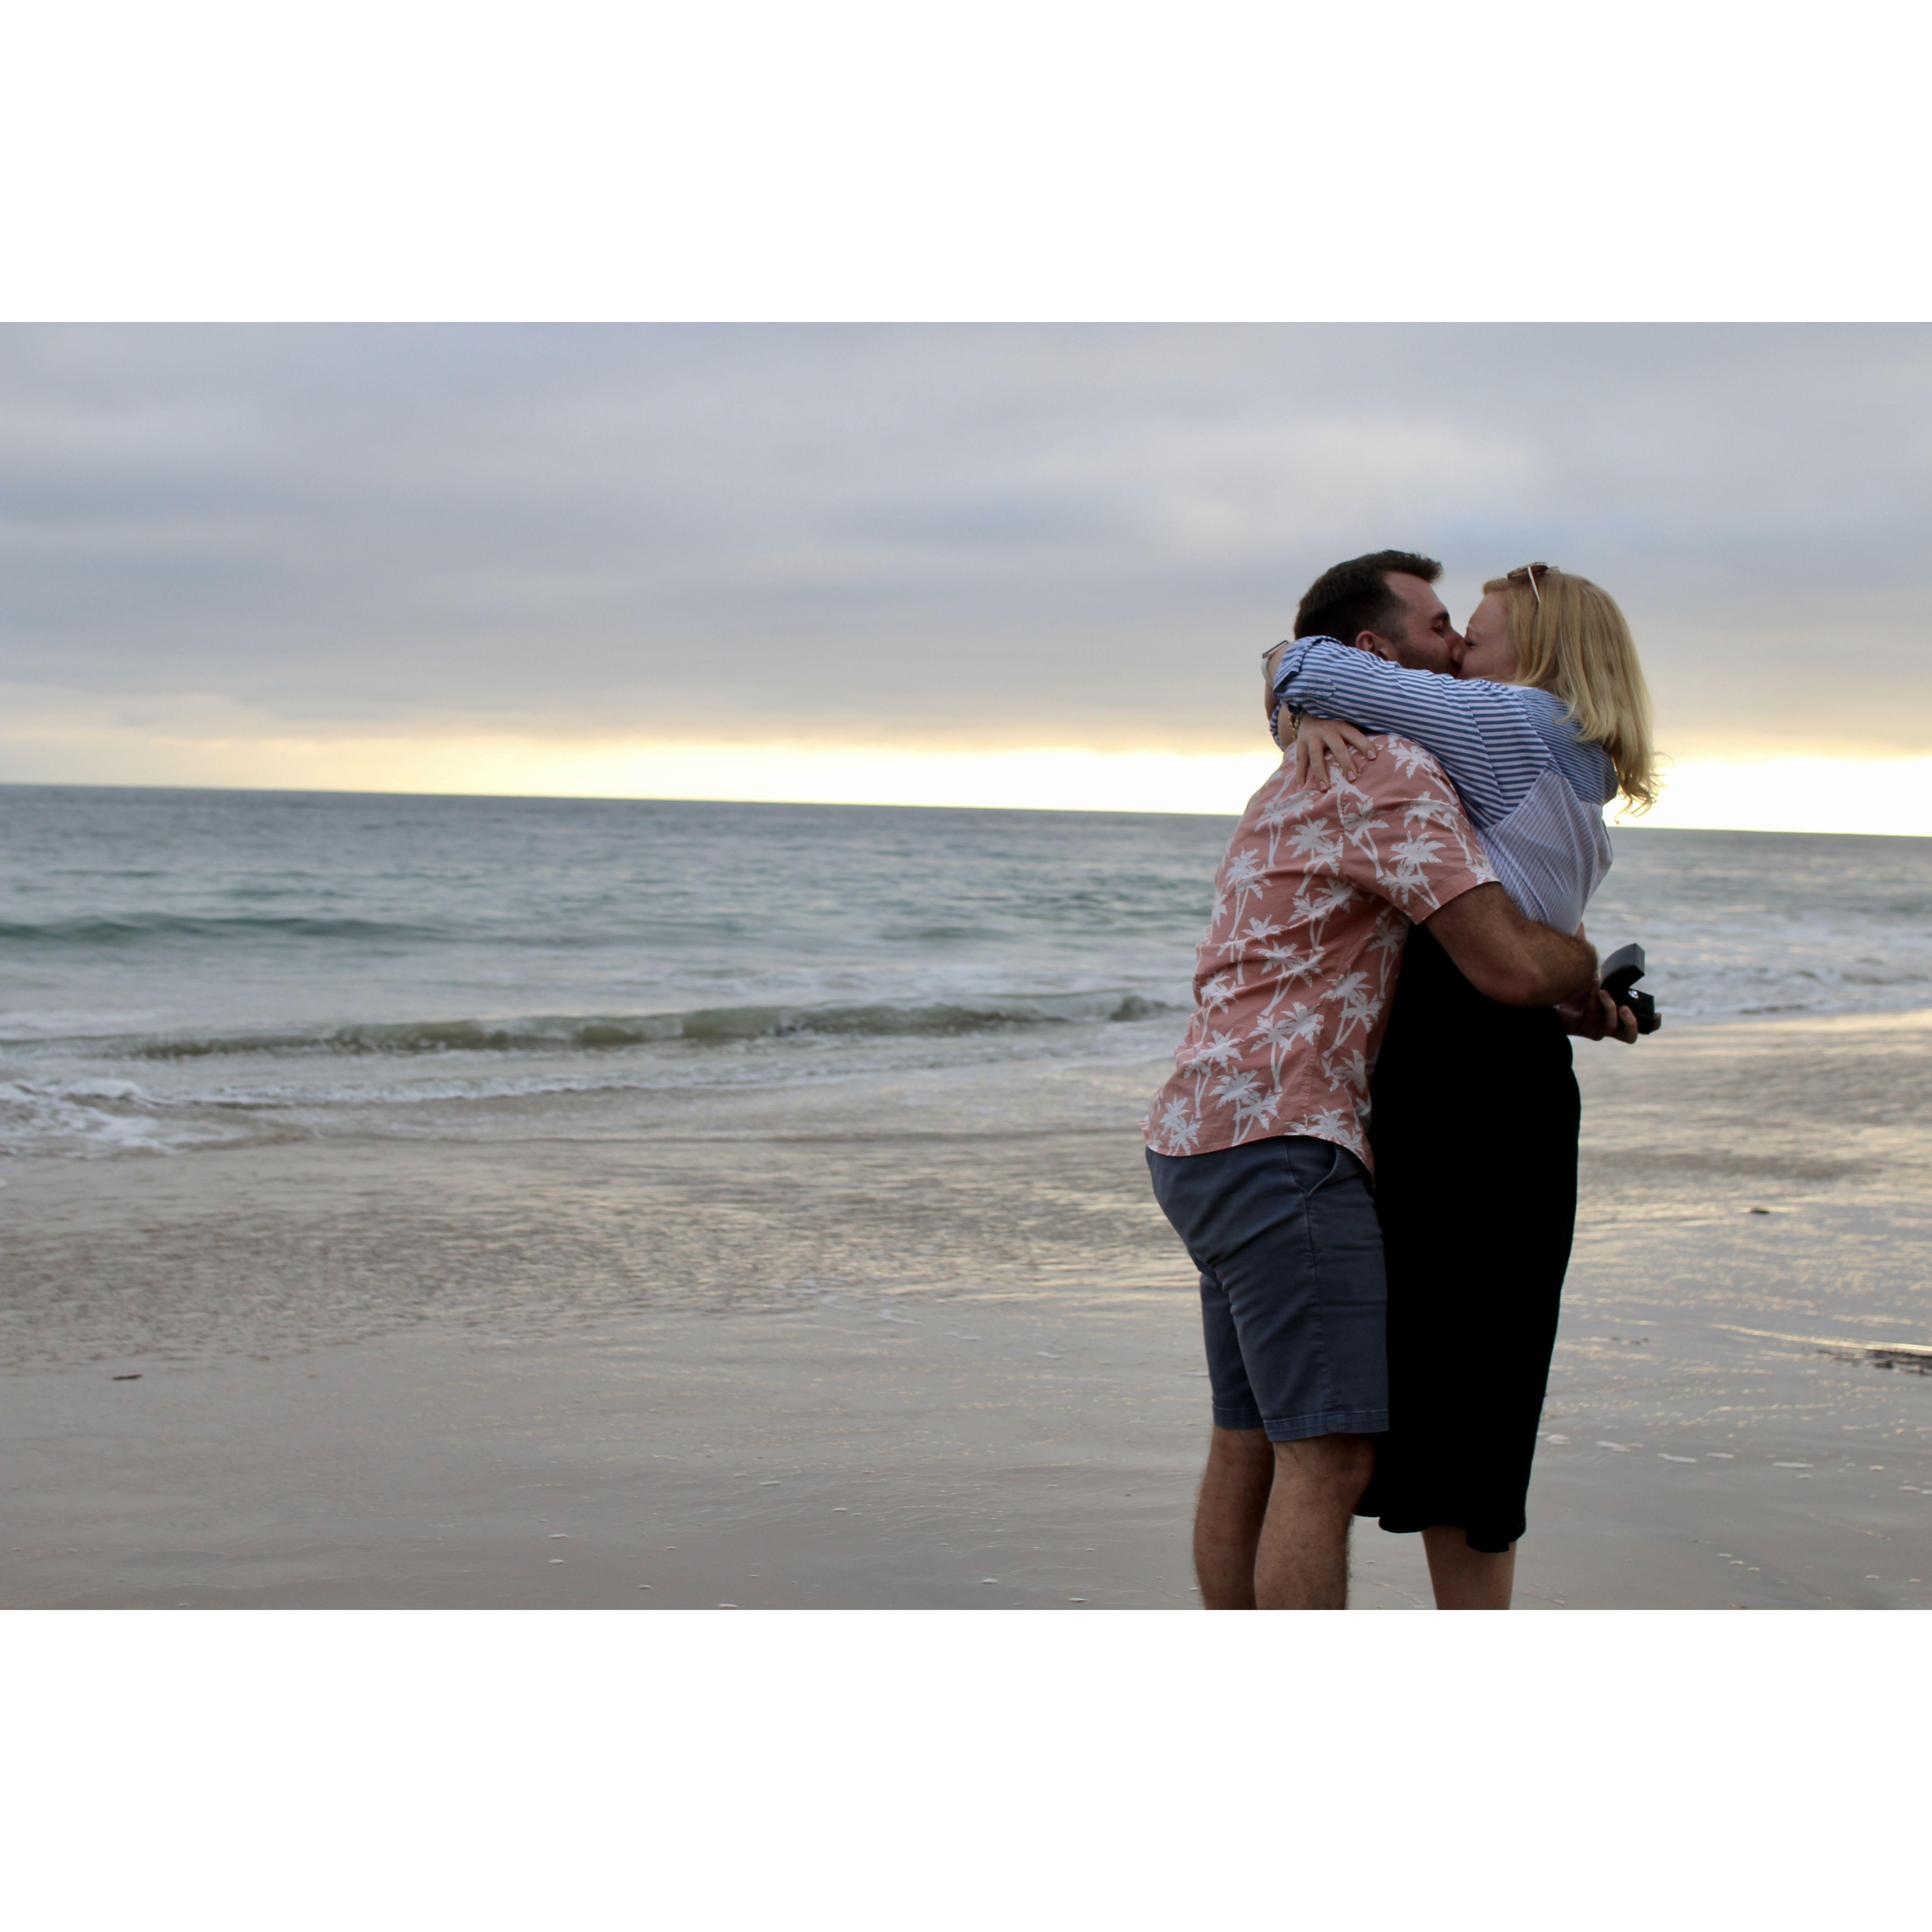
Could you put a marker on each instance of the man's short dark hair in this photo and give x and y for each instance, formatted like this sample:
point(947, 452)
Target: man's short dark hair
point(1355, 596)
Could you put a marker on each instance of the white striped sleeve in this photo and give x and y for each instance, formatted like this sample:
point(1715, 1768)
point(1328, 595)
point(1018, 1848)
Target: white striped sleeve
point(1482, 732)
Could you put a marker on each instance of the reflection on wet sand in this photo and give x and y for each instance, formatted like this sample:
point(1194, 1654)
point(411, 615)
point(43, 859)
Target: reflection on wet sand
point(932, 1334)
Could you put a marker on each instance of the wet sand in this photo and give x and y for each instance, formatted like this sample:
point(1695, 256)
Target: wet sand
point(752, 1359)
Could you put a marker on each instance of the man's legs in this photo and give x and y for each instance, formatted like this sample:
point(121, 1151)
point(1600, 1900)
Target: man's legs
point(1271, 1531)
point(1303, 1562)
point(1466, 1578)
point(1292, 1308)
point(1228, 1516)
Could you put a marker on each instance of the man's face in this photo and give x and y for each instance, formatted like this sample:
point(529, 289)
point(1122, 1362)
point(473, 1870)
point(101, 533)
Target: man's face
point(1427, 640)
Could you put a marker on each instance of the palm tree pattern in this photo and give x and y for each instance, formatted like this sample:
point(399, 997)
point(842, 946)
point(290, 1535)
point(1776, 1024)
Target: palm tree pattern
point(1292, 981)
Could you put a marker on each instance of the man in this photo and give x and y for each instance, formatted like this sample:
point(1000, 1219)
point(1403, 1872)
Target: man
point(1257, 1145)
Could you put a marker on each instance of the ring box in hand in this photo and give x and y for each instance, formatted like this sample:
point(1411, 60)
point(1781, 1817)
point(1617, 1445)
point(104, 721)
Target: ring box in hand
point(1621, 972)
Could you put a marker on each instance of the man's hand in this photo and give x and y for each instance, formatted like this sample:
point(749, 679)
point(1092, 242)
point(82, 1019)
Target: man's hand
point(1595, 1015)
point(1507, 957)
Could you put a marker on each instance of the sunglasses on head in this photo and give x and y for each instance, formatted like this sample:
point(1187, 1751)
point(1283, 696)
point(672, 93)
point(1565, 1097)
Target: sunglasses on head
point(1525, 573)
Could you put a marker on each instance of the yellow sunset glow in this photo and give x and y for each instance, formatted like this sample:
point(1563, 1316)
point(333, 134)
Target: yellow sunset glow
point(1772, 793)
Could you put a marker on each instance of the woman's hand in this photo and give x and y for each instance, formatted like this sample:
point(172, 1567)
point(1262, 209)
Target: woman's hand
point(1325, 744)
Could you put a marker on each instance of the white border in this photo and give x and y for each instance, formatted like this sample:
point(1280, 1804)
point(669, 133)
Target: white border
point(1052, 159)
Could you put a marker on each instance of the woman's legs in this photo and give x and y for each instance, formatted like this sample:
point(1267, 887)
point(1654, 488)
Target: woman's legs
point(1473, 1301)
point(1466, 1578)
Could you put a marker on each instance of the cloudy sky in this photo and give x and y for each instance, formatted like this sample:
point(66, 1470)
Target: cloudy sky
point(1035, 563)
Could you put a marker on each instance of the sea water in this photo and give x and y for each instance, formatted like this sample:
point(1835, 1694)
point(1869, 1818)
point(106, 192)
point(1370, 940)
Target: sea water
point(184, 969)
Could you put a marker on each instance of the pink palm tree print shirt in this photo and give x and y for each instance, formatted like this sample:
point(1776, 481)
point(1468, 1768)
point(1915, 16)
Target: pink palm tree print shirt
point(1292, 984)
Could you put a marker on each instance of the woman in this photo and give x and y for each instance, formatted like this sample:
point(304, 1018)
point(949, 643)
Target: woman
point(1549, 720)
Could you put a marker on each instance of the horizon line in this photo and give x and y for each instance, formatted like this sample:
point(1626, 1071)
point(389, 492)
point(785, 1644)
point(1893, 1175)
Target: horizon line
point(1627, 824)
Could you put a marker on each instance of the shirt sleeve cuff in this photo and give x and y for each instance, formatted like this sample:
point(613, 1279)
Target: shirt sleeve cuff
point(1290, 661)
point(1294, 662)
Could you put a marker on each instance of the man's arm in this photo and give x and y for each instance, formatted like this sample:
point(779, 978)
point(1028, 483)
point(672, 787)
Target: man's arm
point(1507, 957)
point(1593, 1014)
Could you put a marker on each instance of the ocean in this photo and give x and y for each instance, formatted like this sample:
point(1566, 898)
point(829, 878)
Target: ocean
point(535, 1203)
point(194, 970)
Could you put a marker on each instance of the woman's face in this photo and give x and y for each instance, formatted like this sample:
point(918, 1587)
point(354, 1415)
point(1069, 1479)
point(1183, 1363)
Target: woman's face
point(1487, 652)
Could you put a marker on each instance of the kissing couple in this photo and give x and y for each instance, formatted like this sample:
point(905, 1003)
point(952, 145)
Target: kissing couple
point(1368, 1145)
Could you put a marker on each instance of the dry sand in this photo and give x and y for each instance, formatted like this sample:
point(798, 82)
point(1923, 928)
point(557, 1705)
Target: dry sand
point(767, 1362)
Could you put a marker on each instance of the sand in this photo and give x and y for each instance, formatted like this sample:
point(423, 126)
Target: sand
point(939, 1353)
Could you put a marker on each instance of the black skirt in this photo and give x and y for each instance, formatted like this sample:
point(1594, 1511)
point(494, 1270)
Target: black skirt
point(1474, 1125)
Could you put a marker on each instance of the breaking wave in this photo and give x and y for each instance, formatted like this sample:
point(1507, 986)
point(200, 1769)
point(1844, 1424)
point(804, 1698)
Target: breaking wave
point(134, 929)
point(713, 1026)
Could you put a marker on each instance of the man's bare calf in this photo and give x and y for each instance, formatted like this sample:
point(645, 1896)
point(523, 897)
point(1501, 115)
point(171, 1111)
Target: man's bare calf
point(1271, 1529)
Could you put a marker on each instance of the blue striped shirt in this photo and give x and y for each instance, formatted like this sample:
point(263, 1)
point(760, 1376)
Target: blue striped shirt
point(1533, 786)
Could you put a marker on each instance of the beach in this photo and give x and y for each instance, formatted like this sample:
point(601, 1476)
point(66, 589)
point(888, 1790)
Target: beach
point(921, 1339)
point(458, 1201)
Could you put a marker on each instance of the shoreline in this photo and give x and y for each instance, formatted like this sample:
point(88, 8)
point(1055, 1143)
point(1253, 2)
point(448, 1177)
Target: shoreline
point(795, 1369)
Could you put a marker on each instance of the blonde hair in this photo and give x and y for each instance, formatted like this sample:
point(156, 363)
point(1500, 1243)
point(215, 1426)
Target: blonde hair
point(1572, 640)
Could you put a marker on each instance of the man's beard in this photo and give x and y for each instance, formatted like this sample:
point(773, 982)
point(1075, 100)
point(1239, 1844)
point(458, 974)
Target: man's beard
point(1411, 659)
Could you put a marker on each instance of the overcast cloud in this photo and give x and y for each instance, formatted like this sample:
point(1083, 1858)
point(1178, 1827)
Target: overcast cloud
point(921, 535)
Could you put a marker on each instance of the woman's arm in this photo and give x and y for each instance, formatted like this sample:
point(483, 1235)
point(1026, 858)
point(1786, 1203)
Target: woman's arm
point(1481, 732)
point(1320, 743)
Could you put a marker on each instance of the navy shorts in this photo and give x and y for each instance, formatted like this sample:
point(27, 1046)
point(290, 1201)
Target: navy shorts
point(1293, 1299)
